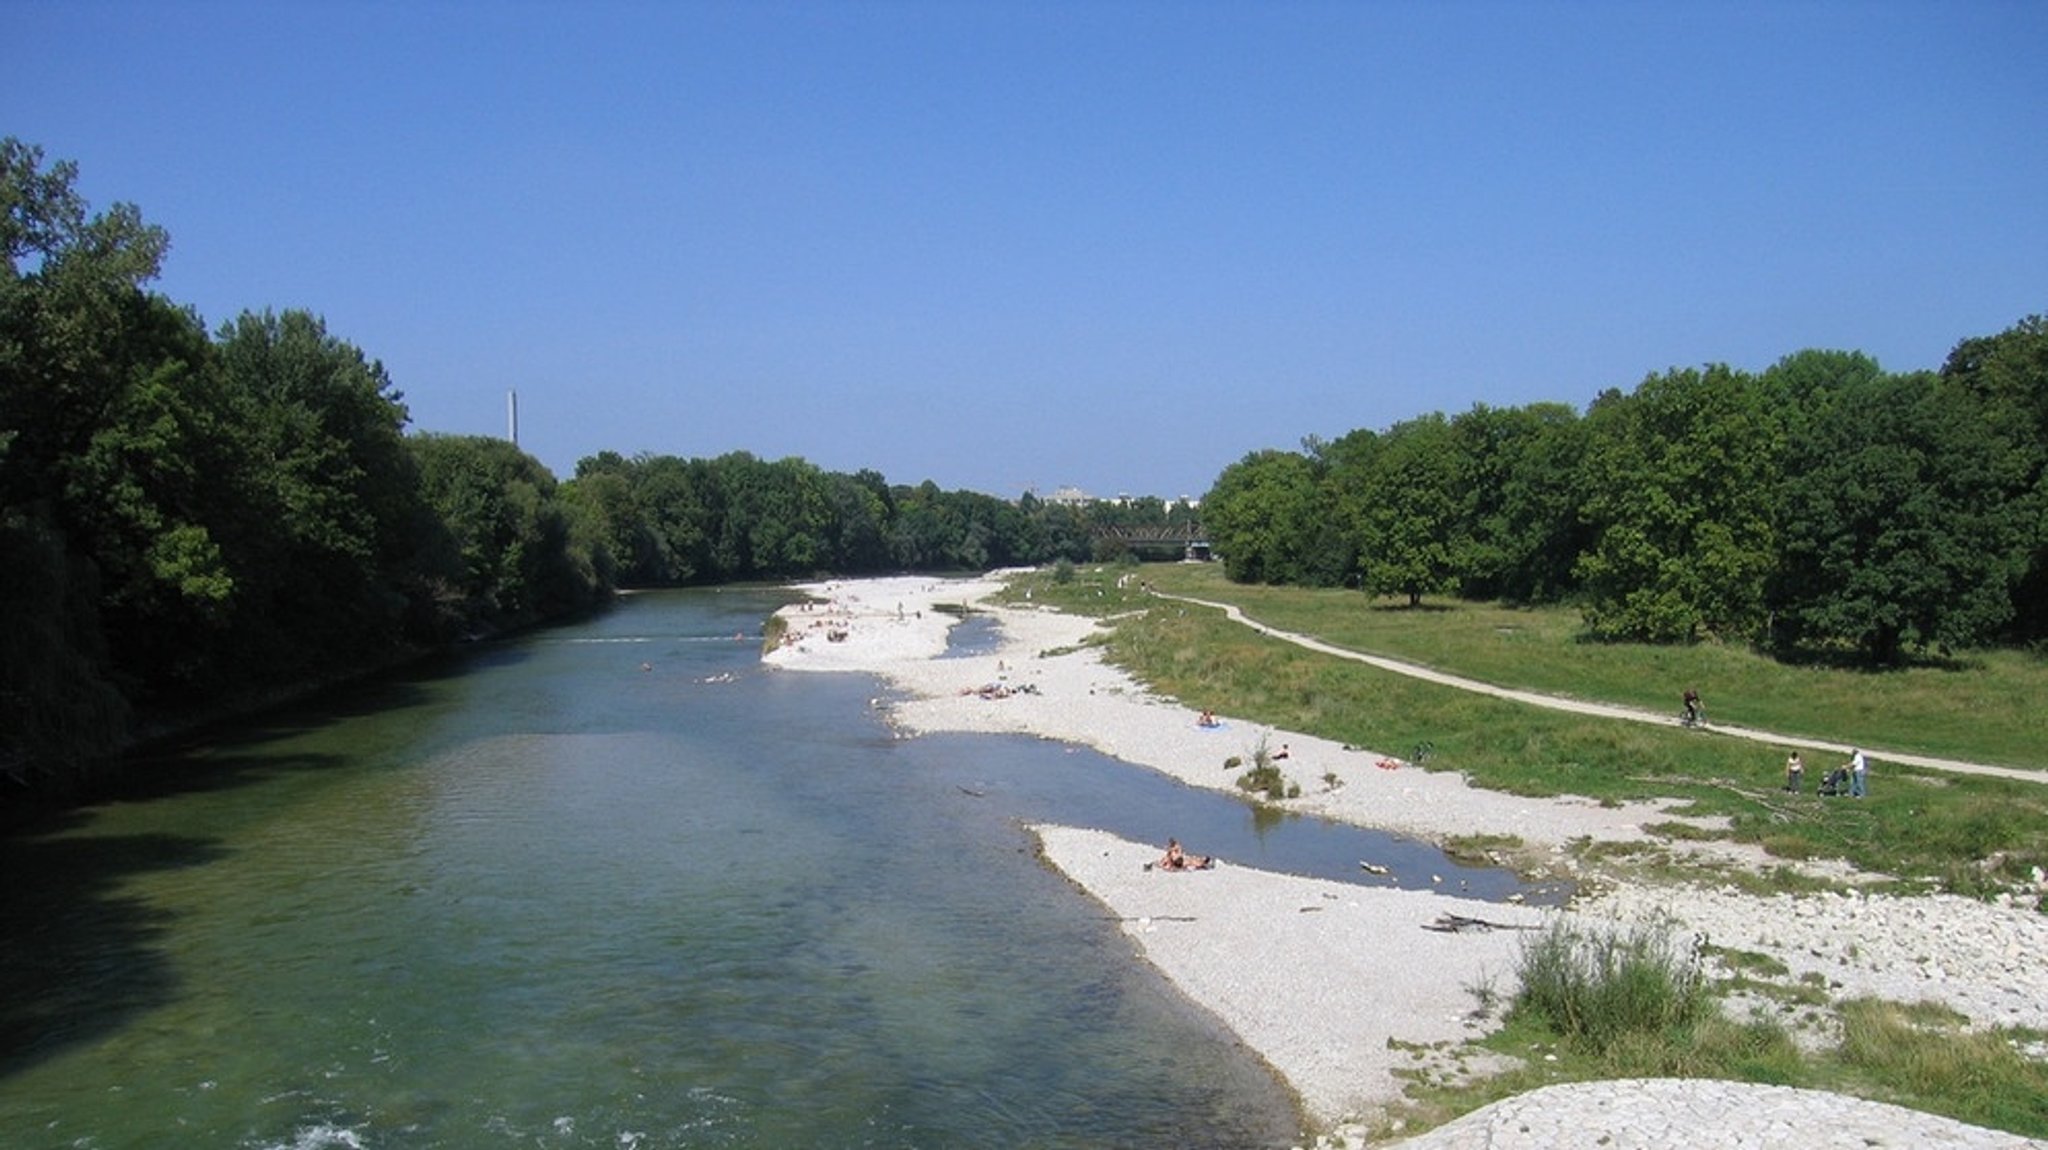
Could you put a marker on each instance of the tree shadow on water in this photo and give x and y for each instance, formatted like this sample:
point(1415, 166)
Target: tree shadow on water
point(80, 958)
point(80, 955)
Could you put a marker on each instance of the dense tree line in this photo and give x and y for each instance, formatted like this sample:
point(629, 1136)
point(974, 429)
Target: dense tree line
point(1823, 505)
point(668, 521)
point(193, 521)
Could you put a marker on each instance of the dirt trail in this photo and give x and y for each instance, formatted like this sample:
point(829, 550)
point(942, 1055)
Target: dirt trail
point(1605, 710)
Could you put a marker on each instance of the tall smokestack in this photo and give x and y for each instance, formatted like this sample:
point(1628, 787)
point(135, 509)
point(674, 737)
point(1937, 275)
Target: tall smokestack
point(512, 417)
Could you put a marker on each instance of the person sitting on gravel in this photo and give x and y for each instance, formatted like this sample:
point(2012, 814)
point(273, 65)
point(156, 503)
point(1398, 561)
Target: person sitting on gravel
point(1178, 859)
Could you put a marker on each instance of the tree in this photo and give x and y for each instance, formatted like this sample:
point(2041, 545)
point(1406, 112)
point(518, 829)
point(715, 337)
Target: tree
point(1676, 495)
point(1898, 530)
point(508, 556)
point(1519, 470)
point(59, 712)
point(927, 532)
point(860, 508)
point(771, 520)
point(155, 501)
point(602, 494)
point(75, 324)
point(2008, 373)
point(1060, 531)
point(336, 488)
point(1399, 494)
point(1267, 515)
point(99, 524)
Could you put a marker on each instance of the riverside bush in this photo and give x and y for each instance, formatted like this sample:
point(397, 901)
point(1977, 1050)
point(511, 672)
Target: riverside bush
point(1599, 987)
point(1268, 781)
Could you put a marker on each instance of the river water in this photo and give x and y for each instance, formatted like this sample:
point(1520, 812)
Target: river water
point(542, 897)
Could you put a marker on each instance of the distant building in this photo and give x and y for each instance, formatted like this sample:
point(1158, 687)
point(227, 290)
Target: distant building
point(1075, 497)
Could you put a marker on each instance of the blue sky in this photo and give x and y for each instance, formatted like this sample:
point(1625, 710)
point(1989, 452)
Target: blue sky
point(1030, 245)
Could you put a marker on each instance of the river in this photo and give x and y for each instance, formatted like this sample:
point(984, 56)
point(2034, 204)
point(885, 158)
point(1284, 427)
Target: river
point(617, 885)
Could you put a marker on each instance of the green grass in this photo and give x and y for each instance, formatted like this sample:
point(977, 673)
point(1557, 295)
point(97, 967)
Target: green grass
point(1985, 706)
point(1965, 833)
point(1922, 1054)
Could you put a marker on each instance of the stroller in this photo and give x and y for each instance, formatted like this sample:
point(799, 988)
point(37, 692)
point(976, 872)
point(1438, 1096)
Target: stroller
point(1836, 782)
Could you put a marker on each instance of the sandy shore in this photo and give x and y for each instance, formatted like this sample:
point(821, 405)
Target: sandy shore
point(1339, 986)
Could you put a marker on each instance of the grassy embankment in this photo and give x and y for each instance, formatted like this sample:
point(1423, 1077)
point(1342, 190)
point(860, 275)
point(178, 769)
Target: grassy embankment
point(1963, 833)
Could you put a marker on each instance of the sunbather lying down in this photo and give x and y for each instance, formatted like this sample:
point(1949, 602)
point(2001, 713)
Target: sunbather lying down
point(1178, 859)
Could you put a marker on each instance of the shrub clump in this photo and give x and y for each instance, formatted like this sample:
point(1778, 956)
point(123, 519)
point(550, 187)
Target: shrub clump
point(1264, 777)
point(1596, 988)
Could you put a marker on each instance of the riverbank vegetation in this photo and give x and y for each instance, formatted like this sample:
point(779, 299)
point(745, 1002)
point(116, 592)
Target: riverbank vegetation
point(1824, 509)
point(1965, 833)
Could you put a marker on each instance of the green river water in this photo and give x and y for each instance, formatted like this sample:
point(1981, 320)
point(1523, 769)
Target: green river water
point(540, 897)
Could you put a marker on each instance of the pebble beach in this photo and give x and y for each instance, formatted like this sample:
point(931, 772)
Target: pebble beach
point(1339, 986)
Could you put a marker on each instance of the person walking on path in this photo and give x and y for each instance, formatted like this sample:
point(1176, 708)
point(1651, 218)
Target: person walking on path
point(1857, 768)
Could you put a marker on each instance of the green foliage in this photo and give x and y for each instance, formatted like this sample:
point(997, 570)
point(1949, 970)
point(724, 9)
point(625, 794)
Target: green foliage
point(59, 714)
point(192, 522)
point(1522, 533)
point(1823, 508)
point(670, 521)
point(2007, 376)
point(323, 465)
point(1265, 779)
point(1269, 519)
point(1600, 987)
point(503, 542)
point(1676, 486)
point(1902, 522)
point(1400, 495)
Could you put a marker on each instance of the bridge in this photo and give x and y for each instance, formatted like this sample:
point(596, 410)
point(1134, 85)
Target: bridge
point(1192, 541)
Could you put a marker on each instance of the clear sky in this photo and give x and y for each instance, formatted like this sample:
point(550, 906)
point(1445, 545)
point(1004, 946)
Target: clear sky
point(1113, 245)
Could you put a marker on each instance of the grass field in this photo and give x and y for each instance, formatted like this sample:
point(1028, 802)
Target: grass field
point(1986, 707)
